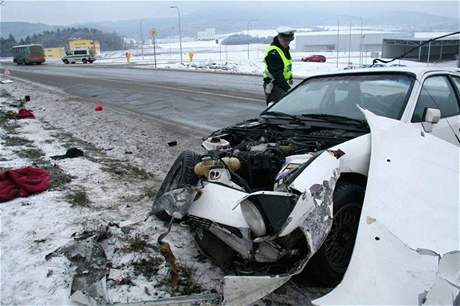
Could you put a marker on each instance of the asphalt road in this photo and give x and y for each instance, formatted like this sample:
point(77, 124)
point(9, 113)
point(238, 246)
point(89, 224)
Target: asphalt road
point(202, 100)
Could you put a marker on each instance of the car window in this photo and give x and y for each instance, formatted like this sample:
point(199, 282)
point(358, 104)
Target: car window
point(436, 93)
point(81, 52)
point(307, 98)
point(383, 94)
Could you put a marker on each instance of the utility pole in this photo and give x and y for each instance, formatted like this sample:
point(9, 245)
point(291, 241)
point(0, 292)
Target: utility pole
point(153, 33)
point(429, 51)
point(337, 44)
point(349, 46)
point(361, 44)
point(180, 32)
point(248, 34)
point(142, 38)
point(220, 52)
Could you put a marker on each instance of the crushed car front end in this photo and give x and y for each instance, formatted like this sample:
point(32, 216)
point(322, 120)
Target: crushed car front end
point(262, 198)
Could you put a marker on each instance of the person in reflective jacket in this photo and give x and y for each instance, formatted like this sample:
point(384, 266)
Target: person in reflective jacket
point(278, 65)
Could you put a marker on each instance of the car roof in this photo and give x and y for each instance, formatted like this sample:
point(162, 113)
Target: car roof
point(417, 71)
point(31, 45)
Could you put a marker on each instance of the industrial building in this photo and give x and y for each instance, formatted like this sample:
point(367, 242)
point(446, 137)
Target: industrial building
point(54, 52)
point(344, 40)
point(435, 51)
point(207, 34)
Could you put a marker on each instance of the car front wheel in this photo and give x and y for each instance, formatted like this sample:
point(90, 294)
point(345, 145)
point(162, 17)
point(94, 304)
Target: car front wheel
point(180, 174)
point(327, 267)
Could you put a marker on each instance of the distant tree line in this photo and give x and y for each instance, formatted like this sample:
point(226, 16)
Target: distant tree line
point(241, 39)
point(6, 44)
point(59, 38)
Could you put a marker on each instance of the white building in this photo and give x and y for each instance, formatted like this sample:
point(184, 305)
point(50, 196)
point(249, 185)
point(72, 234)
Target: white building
point(207, 34)
point(347, 41)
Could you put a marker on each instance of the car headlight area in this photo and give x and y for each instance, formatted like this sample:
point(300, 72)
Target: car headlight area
point(253, 217)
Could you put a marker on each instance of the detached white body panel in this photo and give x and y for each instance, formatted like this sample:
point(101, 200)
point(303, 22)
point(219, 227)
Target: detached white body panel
point(406, 251)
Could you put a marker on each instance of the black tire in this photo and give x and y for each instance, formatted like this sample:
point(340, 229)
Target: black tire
point(65, 61)
point(84, 61)
point(180, 174)
point(327, 267)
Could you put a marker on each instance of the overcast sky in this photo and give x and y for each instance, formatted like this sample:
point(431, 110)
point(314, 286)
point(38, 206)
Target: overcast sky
point(70, 12)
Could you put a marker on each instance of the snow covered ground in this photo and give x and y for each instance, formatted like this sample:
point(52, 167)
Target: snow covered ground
point(108, 191)
point(248, 59)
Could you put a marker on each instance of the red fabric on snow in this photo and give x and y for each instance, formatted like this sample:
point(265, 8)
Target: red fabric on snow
point(24, 114)
point(22, 183)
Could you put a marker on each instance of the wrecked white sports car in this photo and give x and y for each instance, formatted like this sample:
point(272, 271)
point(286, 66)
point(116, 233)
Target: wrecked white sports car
point(351, 180)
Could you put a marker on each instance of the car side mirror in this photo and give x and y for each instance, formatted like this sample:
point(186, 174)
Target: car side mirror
point(430, 116)
point(270, 104)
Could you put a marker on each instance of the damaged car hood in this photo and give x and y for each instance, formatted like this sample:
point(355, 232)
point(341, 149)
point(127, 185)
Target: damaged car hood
point(407, 247)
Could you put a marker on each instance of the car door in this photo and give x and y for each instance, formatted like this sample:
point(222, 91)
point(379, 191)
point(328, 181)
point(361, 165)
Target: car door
point(455, 120)
point(438, 92)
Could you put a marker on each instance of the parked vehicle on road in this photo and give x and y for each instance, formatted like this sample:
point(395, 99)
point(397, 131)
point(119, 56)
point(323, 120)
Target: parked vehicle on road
point(350, 173)
point(314, 58)
point(79, 56)
point(28, 54)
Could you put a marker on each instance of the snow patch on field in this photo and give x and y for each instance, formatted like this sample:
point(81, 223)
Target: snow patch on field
point(36, 229)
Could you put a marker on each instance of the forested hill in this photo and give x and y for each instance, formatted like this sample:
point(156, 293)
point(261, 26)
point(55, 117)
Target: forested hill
point(59, 38)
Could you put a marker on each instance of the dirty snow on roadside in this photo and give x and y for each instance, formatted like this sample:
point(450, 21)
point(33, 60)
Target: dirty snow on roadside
point(98, 201)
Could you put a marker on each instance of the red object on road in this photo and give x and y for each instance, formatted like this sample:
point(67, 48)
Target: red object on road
point(317, 58)
point(99, 108)
point(24, 114)
point(22, 183)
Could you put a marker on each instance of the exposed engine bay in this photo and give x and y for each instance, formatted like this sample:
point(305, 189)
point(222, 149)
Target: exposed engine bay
point(262, 147)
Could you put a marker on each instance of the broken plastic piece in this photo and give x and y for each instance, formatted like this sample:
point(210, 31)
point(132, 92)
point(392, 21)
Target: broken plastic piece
point(176, 202)
point(165, 250)
point(87, 292)
point(70, 153)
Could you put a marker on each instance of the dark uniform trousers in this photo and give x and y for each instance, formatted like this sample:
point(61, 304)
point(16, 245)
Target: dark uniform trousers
point(275, 94)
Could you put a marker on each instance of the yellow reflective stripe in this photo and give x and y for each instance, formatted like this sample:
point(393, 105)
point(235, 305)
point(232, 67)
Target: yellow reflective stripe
point(287, 71)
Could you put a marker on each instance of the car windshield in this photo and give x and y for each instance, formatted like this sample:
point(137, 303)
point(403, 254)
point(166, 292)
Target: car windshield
point(383, 94)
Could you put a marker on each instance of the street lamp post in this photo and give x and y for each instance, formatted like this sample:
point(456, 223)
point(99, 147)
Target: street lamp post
point(142, 38)
point(249, 37)
point(180, 32)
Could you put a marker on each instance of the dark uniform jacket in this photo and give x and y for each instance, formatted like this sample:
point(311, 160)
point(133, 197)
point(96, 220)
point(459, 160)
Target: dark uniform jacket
point(276, 66)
